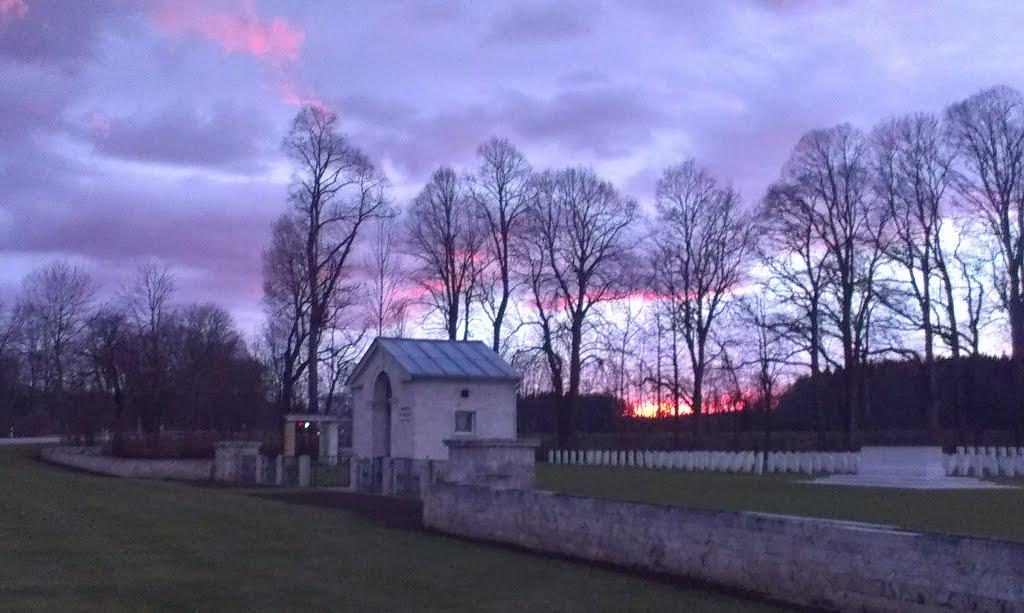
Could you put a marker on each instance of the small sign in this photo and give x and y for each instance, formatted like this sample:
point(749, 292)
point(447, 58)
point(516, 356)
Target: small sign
point(405, 414)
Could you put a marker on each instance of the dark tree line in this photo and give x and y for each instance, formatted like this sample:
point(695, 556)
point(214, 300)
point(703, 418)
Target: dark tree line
point(72, 364)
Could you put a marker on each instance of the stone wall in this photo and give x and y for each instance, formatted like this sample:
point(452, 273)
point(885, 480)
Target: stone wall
point(804, 561)
point(90, 459)
point(494, 462)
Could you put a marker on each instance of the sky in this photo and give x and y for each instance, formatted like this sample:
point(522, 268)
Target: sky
point(151, 128)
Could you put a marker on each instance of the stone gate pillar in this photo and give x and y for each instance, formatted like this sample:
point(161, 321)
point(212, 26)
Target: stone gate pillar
point(289, 438)
point(329, 433)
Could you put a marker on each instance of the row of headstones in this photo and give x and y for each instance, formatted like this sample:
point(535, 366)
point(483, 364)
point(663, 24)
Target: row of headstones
point(984, 462)
point(755, 462)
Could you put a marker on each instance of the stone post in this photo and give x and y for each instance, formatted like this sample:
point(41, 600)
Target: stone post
point(305, 471)
point(289, 438)
point(503, 463)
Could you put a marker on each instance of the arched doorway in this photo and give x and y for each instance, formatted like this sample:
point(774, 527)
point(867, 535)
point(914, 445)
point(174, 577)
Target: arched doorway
point(382, 415)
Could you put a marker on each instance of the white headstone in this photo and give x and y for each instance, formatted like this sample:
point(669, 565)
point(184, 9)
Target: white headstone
point(991, 462)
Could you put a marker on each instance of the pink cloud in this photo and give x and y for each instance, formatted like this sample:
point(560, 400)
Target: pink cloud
point(9, 9)
point(240, 31)
point(236, 28)
point(289, 95)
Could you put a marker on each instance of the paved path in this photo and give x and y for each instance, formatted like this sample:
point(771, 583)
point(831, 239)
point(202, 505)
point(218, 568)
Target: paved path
point(905, 467)
point(30, 440)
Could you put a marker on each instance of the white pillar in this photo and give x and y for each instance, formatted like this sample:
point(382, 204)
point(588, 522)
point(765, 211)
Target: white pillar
point(332, 443)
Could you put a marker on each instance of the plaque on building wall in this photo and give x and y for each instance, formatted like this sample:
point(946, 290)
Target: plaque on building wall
point(405, 414)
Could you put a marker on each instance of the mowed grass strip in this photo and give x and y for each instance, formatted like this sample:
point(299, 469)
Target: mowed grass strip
point(76, 542)
point(996, 512)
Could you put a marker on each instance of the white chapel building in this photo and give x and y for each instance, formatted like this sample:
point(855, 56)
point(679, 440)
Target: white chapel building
point(410, 395)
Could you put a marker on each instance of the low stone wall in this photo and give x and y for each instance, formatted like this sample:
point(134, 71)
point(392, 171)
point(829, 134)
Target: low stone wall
point(804, 561)
point(90, 459)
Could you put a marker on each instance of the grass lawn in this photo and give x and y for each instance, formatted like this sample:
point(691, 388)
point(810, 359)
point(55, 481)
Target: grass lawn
point(998, 513)
point(76, 542)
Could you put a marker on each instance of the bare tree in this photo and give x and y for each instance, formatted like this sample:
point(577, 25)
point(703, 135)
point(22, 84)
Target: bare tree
point(286, 303)
point(108, 333)
point(502, 191)
point(975, 267)
point(387, 305)
point(670, 315)
point(579, 223)
point(796, 263)
point(533, 259)
point(773, 353)
point(55, 301)
point(988, 131)
point(446, 239)
point(705, 245)
point(913, 171)
point(829, 172)
point(335, 191)
point(148, 301)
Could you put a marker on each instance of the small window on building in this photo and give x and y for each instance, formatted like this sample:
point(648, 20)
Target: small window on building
point(465, 421)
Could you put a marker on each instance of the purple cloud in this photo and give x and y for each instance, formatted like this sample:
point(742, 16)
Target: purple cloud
point(546, 22)
point(200, 94)
point(606, 121)
point(226, 136)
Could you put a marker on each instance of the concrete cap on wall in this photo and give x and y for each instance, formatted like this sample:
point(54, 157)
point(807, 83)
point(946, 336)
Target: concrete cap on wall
point(238, 444)
point(492, 442)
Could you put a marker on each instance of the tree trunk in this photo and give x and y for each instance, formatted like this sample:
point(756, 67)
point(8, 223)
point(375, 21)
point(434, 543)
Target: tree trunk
point(453, 319)
point(697, 408)
point(676, 417)
point(499, 315)
point(312, 376)
point(929, 364)
point(816, 382)
point(567, 429)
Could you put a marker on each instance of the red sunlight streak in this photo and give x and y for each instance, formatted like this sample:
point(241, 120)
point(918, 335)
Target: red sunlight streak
point(648, 295)
point(9, 9)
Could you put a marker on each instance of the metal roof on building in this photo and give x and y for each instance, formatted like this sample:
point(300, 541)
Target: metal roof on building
point(436, 359)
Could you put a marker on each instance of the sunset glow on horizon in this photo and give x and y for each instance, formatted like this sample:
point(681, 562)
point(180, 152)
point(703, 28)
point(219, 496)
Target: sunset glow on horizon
point(651, 409)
